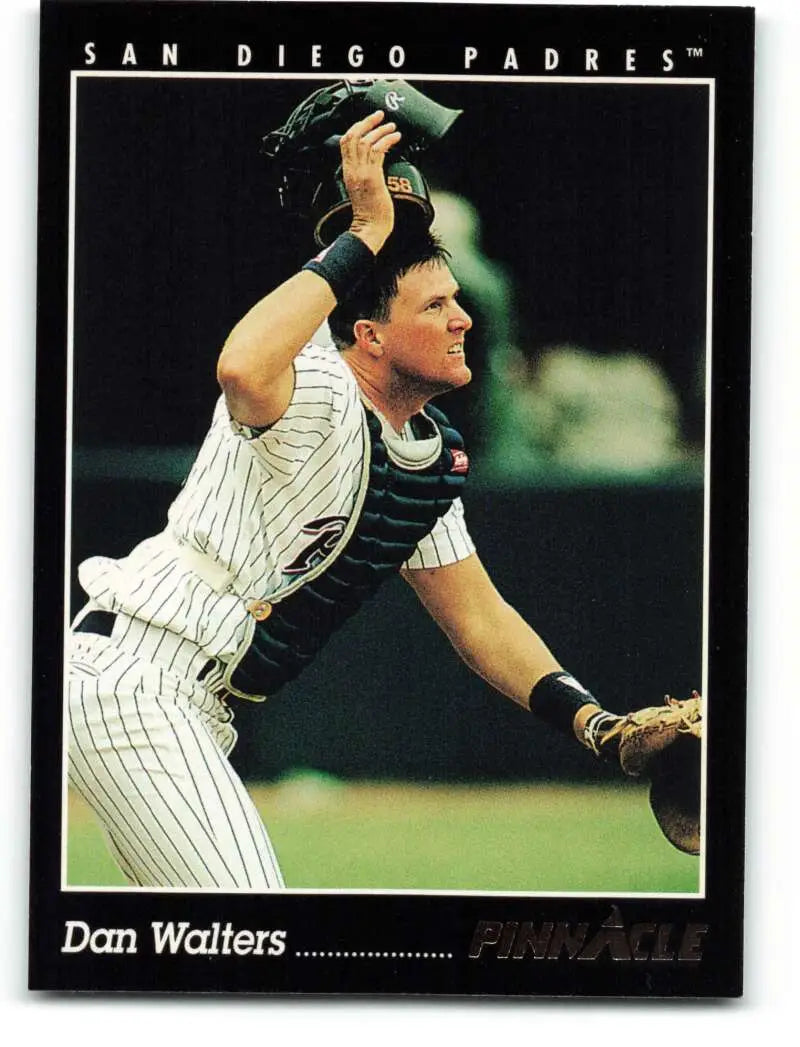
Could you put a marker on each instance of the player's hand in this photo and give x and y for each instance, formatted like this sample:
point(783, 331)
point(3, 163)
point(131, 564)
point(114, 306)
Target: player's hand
point(364, 147)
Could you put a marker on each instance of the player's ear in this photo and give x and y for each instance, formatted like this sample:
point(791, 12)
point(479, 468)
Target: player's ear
point(368, 338)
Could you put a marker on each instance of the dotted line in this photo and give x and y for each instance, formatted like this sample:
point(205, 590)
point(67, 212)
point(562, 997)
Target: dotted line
point(324, 954)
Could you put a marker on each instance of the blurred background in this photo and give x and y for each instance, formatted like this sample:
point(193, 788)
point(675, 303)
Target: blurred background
point(576, 214)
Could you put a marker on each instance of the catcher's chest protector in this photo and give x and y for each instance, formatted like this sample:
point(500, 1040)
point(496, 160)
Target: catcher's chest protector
point(400, 507)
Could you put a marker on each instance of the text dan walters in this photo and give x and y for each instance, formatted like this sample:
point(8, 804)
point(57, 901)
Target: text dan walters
point(174, 937)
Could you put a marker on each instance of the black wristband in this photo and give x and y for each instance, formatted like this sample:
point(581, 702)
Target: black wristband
point(557, 697)
point(343, 265)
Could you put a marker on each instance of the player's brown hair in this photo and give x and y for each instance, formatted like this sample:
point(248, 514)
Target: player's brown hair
point(372, 299)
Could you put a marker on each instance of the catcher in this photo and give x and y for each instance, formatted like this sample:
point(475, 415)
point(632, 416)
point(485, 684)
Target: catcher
point(325, 471)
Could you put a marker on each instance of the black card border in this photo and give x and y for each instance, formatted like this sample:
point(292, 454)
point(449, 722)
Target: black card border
point(728, 33)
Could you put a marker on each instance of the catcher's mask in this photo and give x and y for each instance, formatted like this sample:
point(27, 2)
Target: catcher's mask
point(306, 151)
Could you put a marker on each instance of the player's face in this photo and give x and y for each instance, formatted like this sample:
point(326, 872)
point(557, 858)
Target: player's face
point(424, 335)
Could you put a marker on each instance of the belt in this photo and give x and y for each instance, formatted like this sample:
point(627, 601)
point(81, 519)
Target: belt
point(101, 623)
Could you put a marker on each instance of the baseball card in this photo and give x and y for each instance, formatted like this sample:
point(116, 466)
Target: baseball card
point(391, 571)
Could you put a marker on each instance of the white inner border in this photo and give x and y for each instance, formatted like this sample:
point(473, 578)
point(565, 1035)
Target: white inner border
point(454, 78)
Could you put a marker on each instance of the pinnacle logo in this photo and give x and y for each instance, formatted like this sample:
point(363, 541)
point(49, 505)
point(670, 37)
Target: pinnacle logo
point(326, 531)
point(393, 100)
point(615, 940)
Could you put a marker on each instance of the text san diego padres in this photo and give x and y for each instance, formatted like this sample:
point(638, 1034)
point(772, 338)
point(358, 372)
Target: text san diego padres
point(320, 57)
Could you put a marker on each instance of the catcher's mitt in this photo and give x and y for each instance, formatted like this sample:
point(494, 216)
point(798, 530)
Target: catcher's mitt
point(305, 151)
point(663, 744)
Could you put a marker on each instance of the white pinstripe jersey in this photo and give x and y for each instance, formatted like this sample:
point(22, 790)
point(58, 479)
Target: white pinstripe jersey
point(244, 506)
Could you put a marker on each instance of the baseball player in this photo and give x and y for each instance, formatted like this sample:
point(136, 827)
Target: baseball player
point(325, 471)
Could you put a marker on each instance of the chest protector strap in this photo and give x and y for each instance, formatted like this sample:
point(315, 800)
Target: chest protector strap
point(400, 507)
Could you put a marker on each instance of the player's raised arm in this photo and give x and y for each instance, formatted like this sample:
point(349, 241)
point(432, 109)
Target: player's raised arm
point(255, 366)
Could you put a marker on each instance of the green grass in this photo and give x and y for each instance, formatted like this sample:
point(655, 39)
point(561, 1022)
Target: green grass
point(535, 837)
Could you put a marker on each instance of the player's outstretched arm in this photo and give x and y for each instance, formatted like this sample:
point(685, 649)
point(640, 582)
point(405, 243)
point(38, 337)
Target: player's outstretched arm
point(255, 366)
point(493, 638)
point(662, 744)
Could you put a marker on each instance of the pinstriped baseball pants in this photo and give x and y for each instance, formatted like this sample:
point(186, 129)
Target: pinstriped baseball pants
point(148, 751)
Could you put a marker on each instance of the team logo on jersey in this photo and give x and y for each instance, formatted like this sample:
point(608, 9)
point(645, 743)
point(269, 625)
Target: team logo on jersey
point(460, 462)
point(326, 531)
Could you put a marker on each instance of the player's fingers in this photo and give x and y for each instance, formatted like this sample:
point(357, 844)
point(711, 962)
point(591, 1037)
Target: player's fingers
point(381, 147)
point(354, 134)
point(367, 145)
point(369, 121)
point(378, 132)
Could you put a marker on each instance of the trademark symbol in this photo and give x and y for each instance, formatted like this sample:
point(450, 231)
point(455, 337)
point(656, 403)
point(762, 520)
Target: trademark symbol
point(694, 52)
